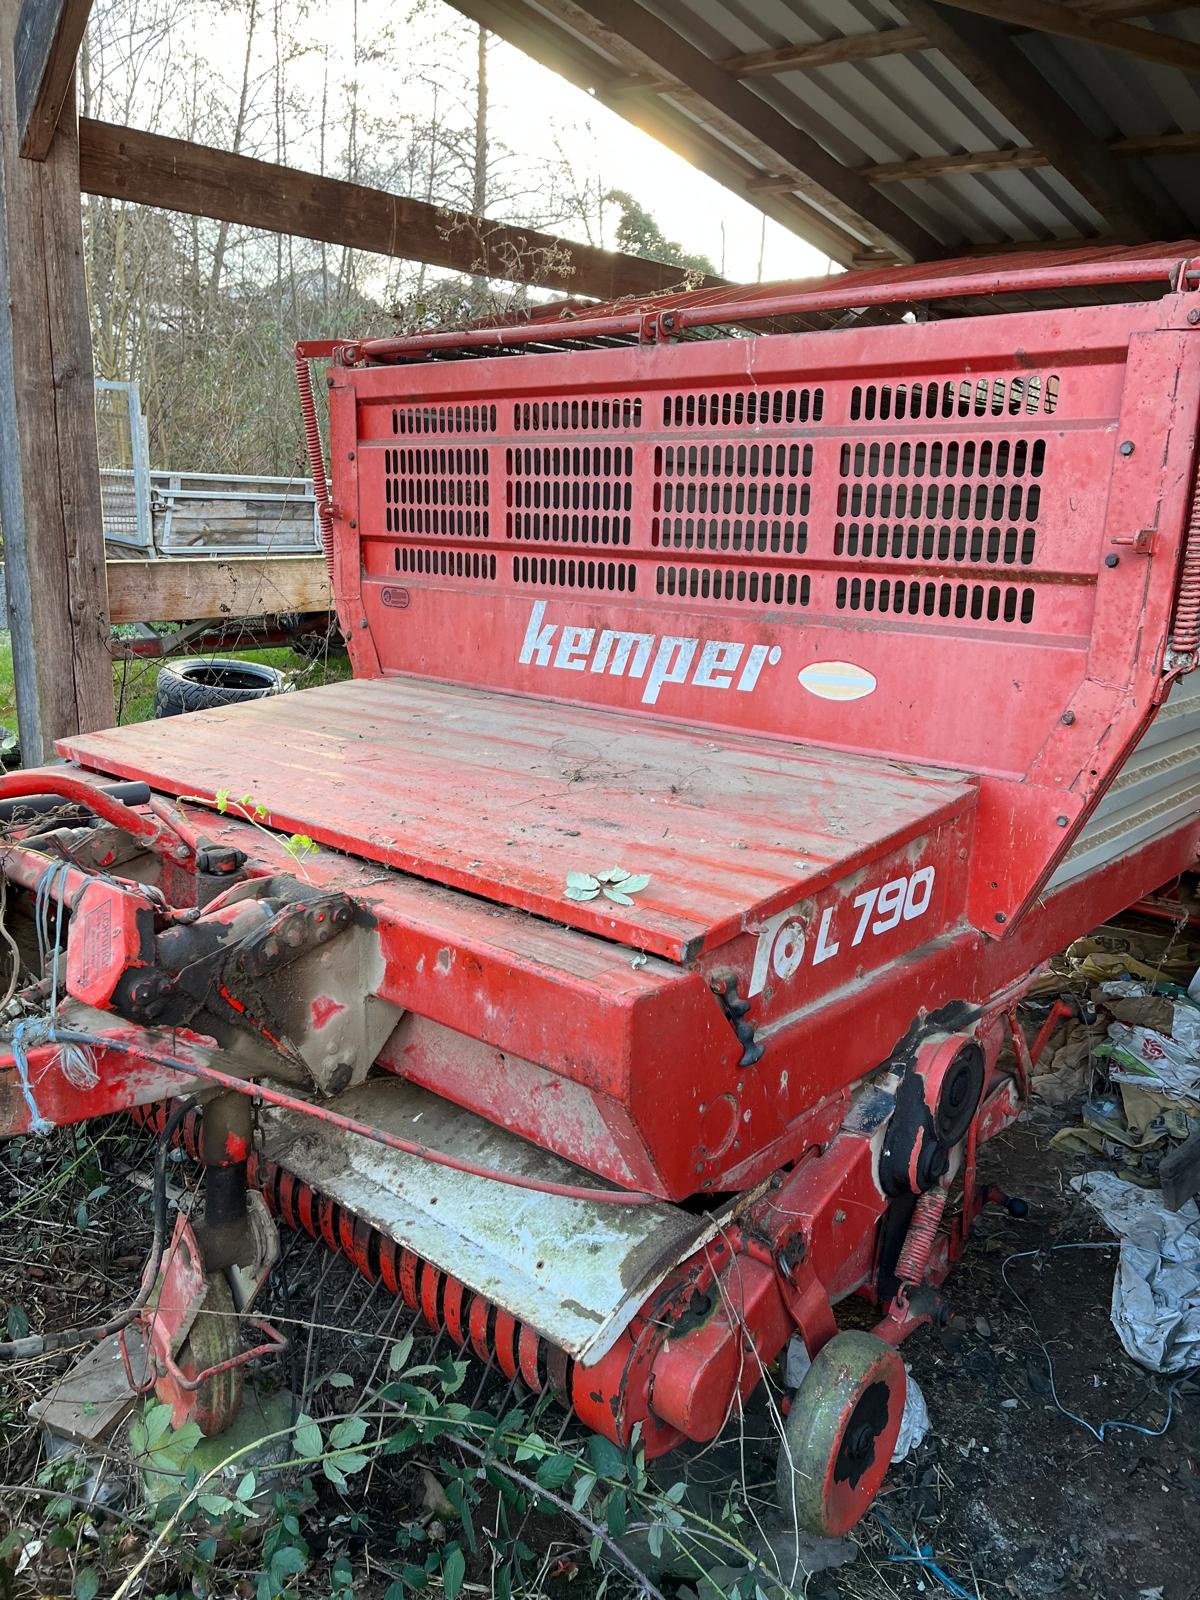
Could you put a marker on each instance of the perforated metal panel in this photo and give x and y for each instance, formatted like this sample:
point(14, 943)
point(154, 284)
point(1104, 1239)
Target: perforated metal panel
point(953, 543)
point(940, 501)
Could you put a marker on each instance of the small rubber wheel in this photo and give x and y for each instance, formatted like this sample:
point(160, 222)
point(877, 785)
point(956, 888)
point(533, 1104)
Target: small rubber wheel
point(840, 1433)
point(205, 682)
point(214, 1338)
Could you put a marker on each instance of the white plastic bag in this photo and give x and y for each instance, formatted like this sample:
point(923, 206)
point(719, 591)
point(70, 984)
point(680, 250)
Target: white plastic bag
point(1156, 1290)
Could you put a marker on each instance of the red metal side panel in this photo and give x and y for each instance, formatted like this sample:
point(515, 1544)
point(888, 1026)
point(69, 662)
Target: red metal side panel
point(888, 540)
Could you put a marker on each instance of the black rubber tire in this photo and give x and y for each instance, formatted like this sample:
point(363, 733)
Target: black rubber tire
point(202, 682)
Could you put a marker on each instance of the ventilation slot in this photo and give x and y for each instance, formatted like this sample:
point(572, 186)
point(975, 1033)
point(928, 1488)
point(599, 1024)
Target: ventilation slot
point(974, 501)
point(743, 408)
point(570, 494)
point(987, 458)
point(557, 572)
point(547, 416)
point(735, 584)
point(1029, 396)
point(444, 419)
point(985, 502)
point(977, 602)
point(436, 490)
point(993, 546)
point(733, 498)
point(444, 563)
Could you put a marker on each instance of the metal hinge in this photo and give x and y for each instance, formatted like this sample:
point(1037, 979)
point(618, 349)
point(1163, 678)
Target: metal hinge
point(1142, 542)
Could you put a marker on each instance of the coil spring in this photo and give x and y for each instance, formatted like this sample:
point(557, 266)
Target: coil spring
point(921, 1235)
point(1185, 635)
point(316, 457)
point(444, 1303)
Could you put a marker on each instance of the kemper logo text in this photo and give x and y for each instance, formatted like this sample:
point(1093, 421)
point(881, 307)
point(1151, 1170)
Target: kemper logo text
point(654, 659)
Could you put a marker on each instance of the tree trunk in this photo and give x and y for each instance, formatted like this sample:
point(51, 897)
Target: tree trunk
point(479, 195)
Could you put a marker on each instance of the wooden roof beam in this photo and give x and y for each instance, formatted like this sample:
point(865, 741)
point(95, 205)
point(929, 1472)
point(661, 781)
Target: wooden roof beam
point(828, 53)
point(45, 47)
point(643, 43)
point(902, 40)
point(1018, 159)
point(984, 52)
point(148, 169)
point(1047, 16)
point(956, 166)
point(581, 64)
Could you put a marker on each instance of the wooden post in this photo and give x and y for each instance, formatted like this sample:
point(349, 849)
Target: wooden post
point(49, 470)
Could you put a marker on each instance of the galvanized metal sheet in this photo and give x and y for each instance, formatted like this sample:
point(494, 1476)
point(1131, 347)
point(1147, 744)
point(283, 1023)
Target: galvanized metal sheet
point(1156, 789)
point(918, 104)
point(573, 1271)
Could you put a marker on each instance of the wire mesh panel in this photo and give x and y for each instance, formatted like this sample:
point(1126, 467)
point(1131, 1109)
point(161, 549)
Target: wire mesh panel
point(124, 465)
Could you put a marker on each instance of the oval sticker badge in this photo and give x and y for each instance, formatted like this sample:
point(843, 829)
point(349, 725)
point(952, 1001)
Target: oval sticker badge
point(837, 680)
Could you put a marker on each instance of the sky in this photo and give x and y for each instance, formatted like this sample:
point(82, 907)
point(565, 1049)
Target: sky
point(532, 111)
point(687, 205)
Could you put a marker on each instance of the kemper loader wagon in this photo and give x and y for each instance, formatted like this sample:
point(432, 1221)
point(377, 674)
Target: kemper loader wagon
point(752, 688)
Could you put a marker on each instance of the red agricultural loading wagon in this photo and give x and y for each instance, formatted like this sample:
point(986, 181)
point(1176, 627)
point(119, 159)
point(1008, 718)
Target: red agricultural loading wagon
point(752, 689)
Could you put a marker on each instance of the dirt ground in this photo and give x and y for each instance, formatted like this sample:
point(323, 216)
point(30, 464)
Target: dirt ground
point(1012, 1496)
point(1009, 1495)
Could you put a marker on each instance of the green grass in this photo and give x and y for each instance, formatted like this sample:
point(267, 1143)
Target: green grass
point(133, 681)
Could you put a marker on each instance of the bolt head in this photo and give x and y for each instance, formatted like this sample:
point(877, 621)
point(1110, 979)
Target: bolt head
point(1194, 317)
point(1113, 560)
point(1067, 718)
point(1127, 447)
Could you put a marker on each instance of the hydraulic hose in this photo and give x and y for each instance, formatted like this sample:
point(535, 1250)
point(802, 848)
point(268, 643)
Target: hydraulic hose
point(261, 1093)
point(156, 835)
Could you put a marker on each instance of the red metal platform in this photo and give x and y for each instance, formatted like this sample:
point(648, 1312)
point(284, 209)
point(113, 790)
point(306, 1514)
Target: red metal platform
point(503, 796)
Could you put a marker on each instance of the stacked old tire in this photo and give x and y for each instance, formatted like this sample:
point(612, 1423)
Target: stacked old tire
point(204, 682)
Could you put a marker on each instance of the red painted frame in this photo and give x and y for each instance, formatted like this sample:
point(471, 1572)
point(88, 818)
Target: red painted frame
point(631, 1067)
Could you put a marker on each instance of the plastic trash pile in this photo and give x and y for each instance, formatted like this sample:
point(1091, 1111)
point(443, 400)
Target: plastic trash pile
point(1130, 1061)
point(1156, 1290)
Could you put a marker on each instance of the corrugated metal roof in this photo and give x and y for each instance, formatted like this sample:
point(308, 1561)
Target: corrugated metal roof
point(926, 102)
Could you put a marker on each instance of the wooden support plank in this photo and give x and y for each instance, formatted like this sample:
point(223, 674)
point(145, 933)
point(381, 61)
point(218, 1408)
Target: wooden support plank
point(1158, 144)
point(985, 54)
point(130, 164)
point(644, 43)
point(827, 53)
point(206, 588)
point(49, 34)
point(1154, 144)
point(954, 166)
point(49, 472)
point(902, 40)
point(1045, 16)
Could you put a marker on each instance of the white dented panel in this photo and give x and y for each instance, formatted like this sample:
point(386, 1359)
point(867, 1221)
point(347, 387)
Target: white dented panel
point(1157, 788)
point(575, 1271)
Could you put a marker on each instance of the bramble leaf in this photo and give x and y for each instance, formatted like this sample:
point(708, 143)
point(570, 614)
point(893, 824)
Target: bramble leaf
point(617, 896)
